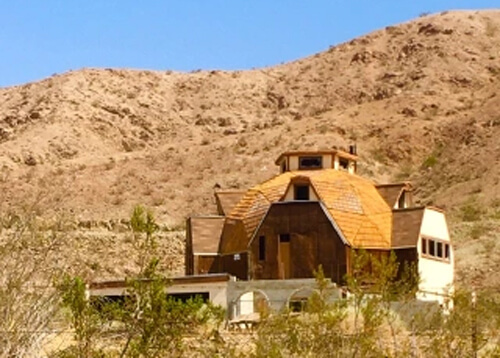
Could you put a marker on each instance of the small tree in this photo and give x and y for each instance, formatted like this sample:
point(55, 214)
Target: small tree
point(85, 319)
point(149, 323)
point(28, 300)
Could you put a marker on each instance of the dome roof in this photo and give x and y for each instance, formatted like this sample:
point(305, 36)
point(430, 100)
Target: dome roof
point(361, 214)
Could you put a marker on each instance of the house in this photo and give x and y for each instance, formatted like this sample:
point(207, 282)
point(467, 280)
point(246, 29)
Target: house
point(318, 211)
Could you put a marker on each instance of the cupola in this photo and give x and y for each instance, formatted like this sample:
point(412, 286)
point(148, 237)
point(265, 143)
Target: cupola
point(317, 160)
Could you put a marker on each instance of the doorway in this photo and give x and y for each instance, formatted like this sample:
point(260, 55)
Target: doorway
point(284, 256)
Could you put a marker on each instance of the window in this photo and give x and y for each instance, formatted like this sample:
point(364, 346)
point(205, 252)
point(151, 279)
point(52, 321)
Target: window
point(184, 297)
point(262, 248)
point(284, 237)
point(435, 249)
point(343, 163)
point(310, 162)
point(402, 200)
point(439, 249)
point(301, 192)
point(283, 166)
point(432, 248)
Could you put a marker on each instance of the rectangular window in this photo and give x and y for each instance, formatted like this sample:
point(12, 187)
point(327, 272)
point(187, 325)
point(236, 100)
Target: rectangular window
point(436, 249)
point(284, 237)
point(432, 248)
point(310, 162)
point(402, 200)
point(301, 192)
point(262, 248)
point(424, 246)
point(439, 249)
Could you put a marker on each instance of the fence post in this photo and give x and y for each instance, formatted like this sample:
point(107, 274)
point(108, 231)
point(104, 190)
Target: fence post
point(474, 325)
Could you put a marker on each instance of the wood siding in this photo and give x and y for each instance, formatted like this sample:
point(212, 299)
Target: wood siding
point(204, 264)
point(313, 242)
point(236, 265)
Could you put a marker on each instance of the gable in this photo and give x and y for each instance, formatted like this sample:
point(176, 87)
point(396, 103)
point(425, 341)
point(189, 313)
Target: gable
point(227, 200)
point(391, 192)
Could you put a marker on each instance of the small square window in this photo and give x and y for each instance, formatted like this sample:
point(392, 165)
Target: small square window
point(343, 163)
point(446, 251)
point(284, 237)
point(301, 192)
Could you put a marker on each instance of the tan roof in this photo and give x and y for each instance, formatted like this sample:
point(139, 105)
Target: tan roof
point(354, 203)
point(391, 192)
point(227, 200)
point(406, 225)
point(205, 233)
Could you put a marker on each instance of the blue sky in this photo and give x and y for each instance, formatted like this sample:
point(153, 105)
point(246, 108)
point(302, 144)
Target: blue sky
point(41, 37)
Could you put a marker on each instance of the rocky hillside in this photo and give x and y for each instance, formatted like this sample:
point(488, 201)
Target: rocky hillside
point(420, 99)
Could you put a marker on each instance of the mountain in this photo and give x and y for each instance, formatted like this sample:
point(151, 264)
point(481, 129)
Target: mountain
point(419, 99)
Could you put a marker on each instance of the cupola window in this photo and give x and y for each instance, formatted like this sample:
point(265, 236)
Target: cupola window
point(315, 162)
point(343, 164)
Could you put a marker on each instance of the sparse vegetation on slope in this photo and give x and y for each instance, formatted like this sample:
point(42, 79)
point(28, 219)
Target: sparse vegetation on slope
point(102, 140)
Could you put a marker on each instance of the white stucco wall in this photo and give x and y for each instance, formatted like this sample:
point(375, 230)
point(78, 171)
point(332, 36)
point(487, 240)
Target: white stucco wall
point(294, 163)
point(436, 275)
point(217, 291)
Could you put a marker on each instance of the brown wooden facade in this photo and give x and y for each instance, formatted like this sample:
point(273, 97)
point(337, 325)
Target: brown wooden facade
point(236, 265)
point(293, 240)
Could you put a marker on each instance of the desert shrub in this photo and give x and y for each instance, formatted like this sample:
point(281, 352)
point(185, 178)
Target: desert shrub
point(470, 211)
point(28, 301)
point(148, 323)
point(477, 230)
point(350, 327)
point(430, 161)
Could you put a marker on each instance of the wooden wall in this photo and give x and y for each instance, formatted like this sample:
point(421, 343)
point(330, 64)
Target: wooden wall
point(313, 242)
point(204, 264)
point(188, 253)
point(236, 265)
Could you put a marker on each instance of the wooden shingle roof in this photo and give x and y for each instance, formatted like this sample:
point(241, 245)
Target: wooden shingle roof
point(205, 233)
point(360, 212)
point(406, 226)
point(391, 192)
point(227, 200)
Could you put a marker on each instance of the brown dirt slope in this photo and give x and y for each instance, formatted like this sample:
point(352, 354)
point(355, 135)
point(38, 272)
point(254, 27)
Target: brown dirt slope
point(420, 100)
